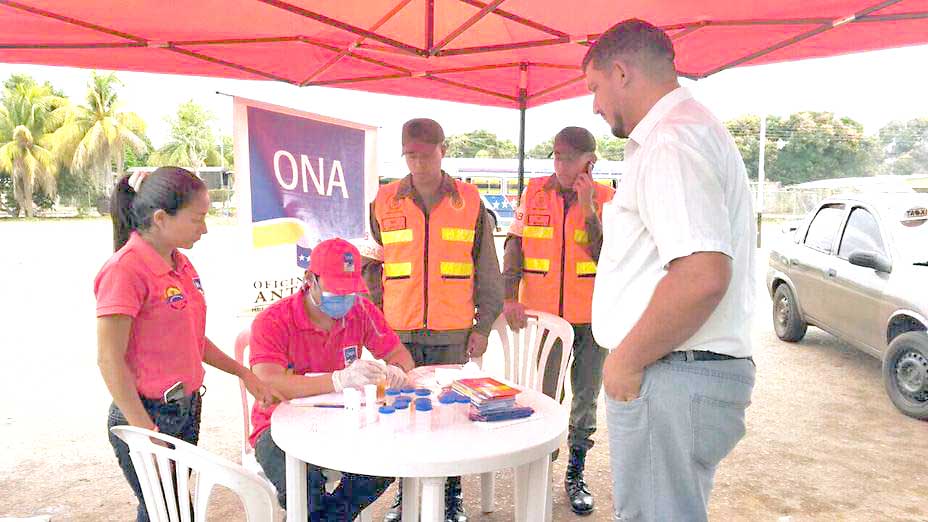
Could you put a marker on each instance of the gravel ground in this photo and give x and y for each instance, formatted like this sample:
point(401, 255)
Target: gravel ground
point(823, 441)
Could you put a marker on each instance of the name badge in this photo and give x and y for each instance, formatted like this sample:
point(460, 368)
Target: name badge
point(539, 220)
point(350, 354)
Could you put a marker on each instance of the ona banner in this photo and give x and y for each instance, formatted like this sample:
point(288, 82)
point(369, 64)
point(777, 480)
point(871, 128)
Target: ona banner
point(300, 179)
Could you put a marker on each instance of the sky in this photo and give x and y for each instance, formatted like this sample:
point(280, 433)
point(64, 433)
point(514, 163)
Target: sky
point(873, 88)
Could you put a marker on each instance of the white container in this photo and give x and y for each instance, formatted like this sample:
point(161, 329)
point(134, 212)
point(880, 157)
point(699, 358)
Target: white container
point(402, 420)
point(447, 411)
point(370, 403)
point(353, 418)
point(423, 417)
point(386, 418)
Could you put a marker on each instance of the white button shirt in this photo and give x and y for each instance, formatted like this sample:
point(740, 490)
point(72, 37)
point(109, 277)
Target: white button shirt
point(685, 191)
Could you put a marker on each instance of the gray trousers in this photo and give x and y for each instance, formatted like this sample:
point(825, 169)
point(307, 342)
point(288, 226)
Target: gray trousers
point(586, 379)
point(665, 445)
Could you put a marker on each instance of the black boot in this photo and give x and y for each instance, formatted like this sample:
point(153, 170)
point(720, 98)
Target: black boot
point(395, 513)
point(454, 501)
point(581, 501)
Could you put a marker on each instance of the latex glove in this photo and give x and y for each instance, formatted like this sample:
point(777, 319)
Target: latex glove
point(396, 377)
point(360, 372)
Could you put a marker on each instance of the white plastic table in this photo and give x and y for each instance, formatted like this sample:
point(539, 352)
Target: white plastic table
point(319, 436)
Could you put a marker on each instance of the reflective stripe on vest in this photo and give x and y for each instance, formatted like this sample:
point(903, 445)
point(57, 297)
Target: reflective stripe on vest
point(538, 232)
point(457, 234)
point(581, 237)
point(586, 268)
point(393, 270)
point(535, 264)
point(396, 236)
point(457, 270)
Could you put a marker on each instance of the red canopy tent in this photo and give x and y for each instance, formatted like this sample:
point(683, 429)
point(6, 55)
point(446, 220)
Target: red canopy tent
point(510, 53)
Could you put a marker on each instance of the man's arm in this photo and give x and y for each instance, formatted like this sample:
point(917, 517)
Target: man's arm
point(293, 386)
point(488, 282)
point(512, 266)
point(682, 302)
point(373, 270)
point(400, 356)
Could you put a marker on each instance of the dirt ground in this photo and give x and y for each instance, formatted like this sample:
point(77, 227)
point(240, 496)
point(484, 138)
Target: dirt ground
point(823, 441)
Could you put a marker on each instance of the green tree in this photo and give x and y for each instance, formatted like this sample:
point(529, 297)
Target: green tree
point(905, 144)
point(806, 146)
point(607, 148)
point(27, 117)
point(480, 144)
point(541, 151)
point(610, 148)
point(191, 138)
point(96, 135)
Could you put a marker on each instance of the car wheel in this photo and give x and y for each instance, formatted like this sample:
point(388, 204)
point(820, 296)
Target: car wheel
point(787, 322)
point(905, 373)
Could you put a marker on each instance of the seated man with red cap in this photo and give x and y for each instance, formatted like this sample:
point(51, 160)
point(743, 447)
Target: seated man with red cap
point(309, 344)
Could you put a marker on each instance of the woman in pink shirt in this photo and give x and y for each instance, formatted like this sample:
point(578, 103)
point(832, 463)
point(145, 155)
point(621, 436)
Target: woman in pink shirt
point(151, 313)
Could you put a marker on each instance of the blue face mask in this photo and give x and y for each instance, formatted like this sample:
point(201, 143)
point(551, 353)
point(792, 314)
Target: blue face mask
point(336, 306)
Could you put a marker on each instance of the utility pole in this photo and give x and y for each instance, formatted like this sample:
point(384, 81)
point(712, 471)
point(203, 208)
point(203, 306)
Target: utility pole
point(760, 177)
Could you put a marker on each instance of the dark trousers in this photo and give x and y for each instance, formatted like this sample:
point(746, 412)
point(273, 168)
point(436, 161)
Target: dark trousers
point(353, 494)
point(426, 354)
point(180, 420)
point(586, 379)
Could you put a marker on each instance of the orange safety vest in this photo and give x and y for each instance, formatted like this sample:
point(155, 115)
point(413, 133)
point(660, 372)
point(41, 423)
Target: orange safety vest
point(428, 261)
point(557, 270)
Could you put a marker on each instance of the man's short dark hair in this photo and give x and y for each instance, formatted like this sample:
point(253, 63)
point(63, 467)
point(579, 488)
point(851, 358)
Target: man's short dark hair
point(630, 38)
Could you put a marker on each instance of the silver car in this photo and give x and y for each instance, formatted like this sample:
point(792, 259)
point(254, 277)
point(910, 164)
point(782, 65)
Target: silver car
point(857, 267)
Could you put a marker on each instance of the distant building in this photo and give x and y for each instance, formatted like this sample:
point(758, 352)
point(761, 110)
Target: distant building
point(214, 177)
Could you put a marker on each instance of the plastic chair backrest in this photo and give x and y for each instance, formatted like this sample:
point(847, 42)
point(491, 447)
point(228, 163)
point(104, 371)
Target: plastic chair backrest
point(241, 356)
point(164, 475)
point(525, 352)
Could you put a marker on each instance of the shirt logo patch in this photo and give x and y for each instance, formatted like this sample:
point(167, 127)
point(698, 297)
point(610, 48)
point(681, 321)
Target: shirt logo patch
point(198, 284)
point(457, 202)
point(540, 201)
point(394, 203)
point(539, 220)
point(394, 223)
point(175, 298)
point(350, 354)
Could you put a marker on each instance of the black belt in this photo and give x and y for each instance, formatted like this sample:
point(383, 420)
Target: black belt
point(700, 355)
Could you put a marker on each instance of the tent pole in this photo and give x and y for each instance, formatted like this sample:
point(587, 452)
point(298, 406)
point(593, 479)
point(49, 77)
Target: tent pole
point(523, 102)
point(521, 148)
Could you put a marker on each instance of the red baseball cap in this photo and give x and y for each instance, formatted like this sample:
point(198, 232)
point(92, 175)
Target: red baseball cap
point(338, 264)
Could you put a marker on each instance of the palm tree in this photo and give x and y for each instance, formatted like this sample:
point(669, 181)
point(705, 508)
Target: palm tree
point(28, 113)
point(191, 140)
point(95, 136)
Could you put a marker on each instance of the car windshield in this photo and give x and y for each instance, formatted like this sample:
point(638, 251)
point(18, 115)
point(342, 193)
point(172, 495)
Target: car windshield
point(912, 238)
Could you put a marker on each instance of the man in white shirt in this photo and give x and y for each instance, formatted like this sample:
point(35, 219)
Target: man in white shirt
point(674, 288)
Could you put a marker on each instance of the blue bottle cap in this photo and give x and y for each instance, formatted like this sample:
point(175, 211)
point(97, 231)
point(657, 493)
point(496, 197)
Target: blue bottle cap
point(400, 405)
point(407, 389)
point(423, 392)
point(387, 409)
point(447, 398)
point(392, 391)
point(423, 405)
point(462, 399)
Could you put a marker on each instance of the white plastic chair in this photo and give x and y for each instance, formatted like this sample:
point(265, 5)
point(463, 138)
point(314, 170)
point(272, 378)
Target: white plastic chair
point(525, 358)
point(164, 475)
point(242, 344)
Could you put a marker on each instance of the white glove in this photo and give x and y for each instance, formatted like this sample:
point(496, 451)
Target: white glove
point(396, 377)
point(360, 372)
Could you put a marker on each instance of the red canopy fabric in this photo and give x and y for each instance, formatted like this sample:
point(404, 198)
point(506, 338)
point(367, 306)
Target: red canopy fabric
point(509, 53)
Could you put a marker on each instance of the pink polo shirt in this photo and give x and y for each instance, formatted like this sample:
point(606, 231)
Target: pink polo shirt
point(168, 334)
point(283, 335)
